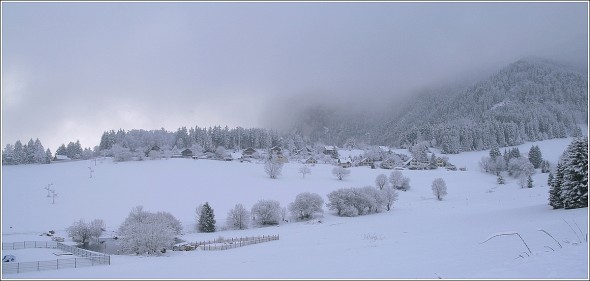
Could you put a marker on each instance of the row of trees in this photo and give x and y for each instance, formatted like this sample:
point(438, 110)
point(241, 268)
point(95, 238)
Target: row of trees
point(33, 152)
point(265, 212)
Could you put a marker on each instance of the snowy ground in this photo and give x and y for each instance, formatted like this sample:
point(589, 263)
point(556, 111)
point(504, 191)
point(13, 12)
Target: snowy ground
point(420, 238)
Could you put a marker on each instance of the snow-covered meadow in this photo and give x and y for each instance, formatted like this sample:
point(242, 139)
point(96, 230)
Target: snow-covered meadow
point(420, 237)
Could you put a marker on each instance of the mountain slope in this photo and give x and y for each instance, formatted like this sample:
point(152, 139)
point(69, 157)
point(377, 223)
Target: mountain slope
point(529, 100)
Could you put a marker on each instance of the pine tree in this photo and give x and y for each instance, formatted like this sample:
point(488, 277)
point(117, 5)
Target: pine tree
point(535, 156)
point(530, 182)
point(550, 179)
point(555, 200)
point(574, 188)
point(500, 180)
point(514, 153)
point(495, 152)
point(206, 219)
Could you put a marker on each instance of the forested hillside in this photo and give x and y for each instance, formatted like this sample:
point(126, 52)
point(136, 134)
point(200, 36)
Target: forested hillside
point(529, 100)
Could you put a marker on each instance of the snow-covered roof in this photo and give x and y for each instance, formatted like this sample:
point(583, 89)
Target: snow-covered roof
point(61, 157)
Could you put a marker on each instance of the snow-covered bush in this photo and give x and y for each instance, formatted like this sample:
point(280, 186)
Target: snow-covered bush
point(145, 233)
point(82, 232)
point(350, 202)
point(340, 172)
point(266, 212)
point(439, 188)
point(306, 206)
point(238, 217)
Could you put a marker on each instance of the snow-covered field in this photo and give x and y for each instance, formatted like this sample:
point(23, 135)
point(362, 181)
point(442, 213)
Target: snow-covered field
point(420, 238)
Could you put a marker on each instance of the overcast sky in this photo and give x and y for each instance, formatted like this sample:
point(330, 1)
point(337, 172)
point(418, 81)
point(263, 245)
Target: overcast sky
point(74, 70)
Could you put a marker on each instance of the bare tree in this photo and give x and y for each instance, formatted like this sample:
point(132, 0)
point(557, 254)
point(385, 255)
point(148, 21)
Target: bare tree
point(381, 181)
point(273, 168)
point(439, 188)
point(304, 170)
point(340, 172)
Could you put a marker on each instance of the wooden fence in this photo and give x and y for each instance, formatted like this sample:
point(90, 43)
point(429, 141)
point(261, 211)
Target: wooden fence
point(29, 244)
point(232, 243)
point(88, 258)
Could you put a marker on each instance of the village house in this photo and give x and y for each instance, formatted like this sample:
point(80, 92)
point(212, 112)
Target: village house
point(311, 161)
point(248, 153)
point(187, 153)
point(59, 157)
point(345, 163)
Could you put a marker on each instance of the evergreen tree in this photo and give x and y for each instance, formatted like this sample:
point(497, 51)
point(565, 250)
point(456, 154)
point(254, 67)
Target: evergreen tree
point(495, 152)
point(530, 182)
point(535, 156)
point(206, 221)
point(61, 150)
point(500, 180)
point(545, 166)
point(48, 156)
point(550, 179)
point(514, 153)
point(574, 187)
point(555, 200)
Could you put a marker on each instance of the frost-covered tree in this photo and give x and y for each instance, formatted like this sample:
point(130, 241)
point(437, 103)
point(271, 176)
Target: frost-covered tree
point(172, 222)
point(439, 188)
point(273, 168)
point(340, 172)
point(145, 233)
point(529, 182)
point(351, 202)
point(238, 217)
point(500, 180)
point(306, 206)
point(206, 222)
point(381, 181)
point(535, 156)
point(420, 152)
point(399, 181)
point(520, 166)
point(390, 195)
point(377, 199)
point(120, 153)
point(304, 170)
point(83, 233)
point(266, 212)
